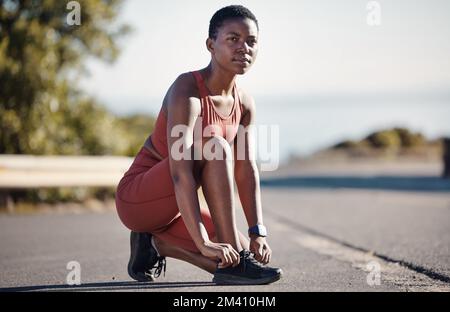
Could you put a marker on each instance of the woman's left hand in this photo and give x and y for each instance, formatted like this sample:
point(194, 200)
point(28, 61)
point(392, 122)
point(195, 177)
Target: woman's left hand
point(260, 248)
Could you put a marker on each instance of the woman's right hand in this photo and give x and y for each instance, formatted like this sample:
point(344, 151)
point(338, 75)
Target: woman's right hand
point(225, 253)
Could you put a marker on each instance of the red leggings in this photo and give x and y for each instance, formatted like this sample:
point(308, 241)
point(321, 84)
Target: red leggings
point(145, 202)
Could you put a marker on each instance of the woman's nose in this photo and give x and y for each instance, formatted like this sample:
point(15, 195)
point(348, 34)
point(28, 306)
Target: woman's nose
point(244, 47)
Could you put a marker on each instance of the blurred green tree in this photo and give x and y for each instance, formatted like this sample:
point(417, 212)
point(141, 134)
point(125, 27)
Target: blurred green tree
point(42, 111)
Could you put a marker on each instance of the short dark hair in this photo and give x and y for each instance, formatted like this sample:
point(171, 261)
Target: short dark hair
point(229, 12)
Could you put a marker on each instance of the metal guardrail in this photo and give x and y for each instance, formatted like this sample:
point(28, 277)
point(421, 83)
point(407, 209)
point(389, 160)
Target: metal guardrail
point(28, 171)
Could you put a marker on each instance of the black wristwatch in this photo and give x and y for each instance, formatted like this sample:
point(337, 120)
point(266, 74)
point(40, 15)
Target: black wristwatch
point(259, 230)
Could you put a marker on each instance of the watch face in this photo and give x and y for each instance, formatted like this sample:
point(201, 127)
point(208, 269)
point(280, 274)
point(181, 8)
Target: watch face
point(258, 230)
point(262, 230)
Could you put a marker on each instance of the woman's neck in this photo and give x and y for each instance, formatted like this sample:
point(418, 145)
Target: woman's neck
point(218, 81)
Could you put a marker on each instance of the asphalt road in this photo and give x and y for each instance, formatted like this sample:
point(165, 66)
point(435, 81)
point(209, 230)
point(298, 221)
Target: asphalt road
point(323, 239)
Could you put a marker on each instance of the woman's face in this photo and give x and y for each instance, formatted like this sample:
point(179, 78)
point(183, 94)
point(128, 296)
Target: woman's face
point(236, 45)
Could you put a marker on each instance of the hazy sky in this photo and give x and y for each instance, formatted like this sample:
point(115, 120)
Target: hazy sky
point(322, 74)
point(306, 47)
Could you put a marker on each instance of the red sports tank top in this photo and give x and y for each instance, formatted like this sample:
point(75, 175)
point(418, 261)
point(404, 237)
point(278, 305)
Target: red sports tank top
point(212, 121)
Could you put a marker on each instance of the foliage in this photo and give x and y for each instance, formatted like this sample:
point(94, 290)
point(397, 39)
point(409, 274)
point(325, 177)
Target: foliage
point(388, 139)
point(41, 58)
point(42, 110)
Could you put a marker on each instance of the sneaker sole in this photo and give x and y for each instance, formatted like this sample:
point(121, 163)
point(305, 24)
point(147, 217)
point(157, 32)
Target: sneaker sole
point(224, 279)
point(139, 277)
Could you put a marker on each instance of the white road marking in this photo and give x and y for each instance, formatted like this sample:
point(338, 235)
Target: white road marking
point(392, 273)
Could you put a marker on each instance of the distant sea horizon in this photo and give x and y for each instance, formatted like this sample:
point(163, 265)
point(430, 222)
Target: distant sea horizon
point(310, 124)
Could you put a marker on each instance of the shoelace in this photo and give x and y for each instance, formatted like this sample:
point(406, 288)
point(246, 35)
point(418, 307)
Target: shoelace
point(161, 266)
point(248, 255)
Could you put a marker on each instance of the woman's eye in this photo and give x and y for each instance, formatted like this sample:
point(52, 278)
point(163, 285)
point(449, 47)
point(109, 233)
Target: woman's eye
point(234, 39)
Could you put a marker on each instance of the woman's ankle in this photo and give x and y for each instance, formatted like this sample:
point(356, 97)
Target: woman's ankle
point(158, 245)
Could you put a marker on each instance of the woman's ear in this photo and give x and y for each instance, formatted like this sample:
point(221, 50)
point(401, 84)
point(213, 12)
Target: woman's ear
point(210, 45)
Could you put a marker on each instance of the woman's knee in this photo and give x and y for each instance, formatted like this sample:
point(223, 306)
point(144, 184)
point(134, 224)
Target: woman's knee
point(214, 150)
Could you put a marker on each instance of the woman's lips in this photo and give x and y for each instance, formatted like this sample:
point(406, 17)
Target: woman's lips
point(241, 61)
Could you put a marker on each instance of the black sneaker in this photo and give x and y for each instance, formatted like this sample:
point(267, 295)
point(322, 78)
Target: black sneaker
point(248, 272)
point(144, 258)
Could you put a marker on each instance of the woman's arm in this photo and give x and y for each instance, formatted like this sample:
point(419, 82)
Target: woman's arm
point(247, 179)
point(182, 111)
point(245, 169)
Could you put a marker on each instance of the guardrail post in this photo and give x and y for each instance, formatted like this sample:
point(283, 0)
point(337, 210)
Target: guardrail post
point(2, 200)
point(446, 158)
point(6, 202)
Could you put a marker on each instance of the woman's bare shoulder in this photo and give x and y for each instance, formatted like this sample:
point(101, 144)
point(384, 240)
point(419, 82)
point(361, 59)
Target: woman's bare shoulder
point(186, 83)
point(183, 91)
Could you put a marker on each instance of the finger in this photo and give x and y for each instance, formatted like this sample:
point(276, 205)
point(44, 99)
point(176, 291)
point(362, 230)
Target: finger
point(254, 250)
point(258, 257)
point(228, 249)
point(236, 258)
point(259, 254)
point(223, 262)
point(269, 256)
point(233, 254)
point(263, 255)
point(227, 256)
point(265, 259)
